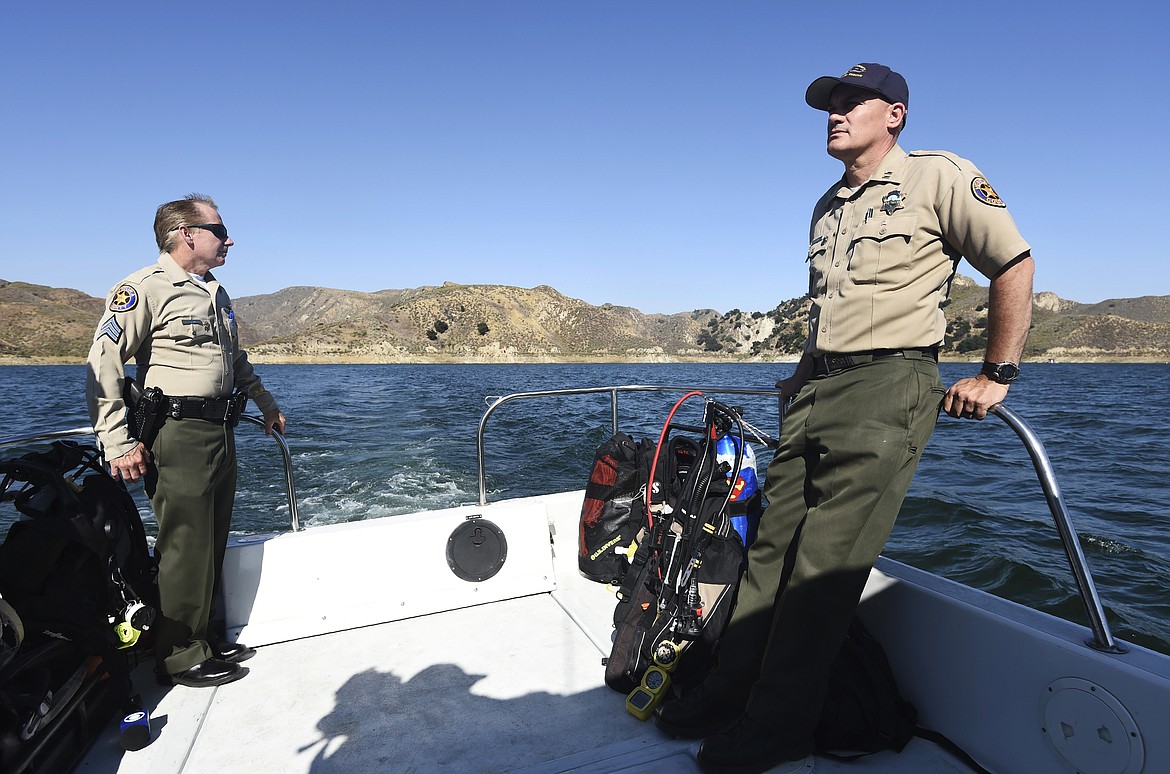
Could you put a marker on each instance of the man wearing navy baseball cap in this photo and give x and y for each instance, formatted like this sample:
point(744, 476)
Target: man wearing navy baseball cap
point(879, 79)
point(884, 244)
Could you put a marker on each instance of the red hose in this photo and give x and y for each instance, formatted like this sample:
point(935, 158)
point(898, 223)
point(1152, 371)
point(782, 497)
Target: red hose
point(658, 449)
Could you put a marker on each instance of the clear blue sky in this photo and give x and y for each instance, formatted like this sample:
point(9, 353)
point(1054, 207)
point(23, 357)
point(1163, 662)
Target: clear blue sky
point(651, 154)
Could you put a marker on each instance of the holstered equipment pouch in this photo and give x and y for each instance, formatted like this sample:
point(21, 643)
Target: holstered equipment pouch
point(145, 411)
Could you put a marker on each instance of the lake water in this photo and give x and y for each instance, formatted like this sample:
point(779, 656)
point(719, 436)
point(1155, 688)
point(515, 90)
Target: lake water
point(378, 440)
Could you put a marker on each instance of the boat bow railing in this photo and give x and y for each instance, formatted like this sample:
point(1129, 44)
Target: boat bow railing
point(496, 401)
point(289, 485)
point(1102, 636)
point(1102, 639)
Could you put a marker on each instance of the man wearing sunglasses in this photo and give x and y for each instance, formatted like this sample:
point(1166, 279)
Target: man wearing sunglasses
point(176, 321)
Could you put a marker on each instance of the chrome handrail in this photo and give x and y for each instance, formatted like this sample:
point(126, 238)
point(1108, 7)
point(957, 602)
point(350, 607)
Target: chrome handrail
point(1102, 637)
point(495, 401)
point(290, 487)
point(1102, 640)
point(53, 435)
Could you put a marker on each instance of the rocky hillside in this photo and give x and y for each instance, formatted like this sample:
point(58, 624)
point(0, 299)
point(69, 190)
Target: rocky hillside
point(45, 323)
point(463, 322)
point(497, 323)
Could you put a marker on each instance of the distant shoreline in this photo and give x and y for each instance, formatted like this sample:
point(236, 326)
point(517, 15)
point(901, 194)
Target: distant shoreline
point(549, 360)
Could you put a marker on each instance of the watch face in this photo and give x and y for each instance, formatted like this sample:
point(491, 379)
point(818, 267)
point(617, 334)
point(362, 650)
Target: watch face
point(1004, 373)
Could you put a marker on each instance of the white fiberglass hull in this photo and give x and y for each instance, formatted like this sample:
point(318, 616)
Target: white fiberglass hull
point(374, 656)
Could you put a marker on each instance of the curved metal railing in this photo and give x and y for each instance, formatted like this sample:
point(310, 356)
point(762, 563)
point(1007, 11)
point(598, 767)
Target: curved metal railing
point(54, 435)
point(1102, 636)
point(495, 401)
point(289, 485)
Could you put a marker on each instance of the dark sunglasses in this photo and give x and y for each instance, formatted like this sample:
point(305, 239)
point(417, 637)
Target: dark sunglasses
point(218, 229)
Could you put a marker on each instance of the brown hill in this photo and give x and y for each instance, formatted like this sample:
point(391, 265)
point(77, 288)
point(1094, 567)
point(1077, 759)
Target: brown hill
point(489, 322)
point(499, 323)
point(45, 323)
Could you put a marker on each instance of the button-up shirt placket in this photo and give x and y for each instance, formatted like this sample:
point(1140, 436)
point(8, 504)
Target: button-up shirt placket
point(838, 263)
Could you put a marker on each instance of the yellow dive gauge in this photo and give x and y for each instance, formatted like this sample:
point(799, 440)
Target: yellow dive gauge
point(644, 699)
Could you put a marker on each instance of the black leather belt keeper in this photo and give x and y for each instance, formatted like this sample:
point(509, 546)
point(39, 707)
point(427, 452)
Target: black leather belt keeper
point(224, 411)
point(835, 363)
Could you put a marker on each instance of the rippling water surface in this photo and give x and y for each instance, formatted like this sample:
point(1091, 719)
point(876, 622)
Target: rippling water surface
point(378, 440)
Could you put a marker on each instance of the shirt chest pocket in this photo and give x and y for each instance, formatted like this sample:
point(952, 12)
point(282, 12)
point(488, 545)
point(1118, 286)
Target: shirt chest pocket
point(880, 252)
point(193, 340)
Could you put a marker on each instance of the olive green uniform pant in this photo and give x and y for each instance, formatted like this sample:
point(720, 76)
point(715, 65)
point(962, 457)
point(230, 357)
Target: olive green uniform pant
point(849, 445)
point(192, 486)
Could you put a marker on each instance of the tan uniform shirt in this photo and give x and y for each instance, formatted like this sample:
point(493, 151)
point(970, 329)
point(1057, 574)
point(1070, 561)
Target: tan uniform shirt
point(881, 259)
point(183, 338)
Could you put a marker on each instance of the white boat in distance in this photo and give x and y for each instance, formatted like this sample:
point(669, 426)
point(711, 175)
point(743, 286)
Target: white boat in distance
point(378, 652)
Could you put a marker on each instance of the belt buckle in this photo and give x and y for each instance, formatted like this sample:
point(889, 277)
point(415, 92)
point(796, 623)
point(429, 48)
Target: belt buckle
point(838, 362)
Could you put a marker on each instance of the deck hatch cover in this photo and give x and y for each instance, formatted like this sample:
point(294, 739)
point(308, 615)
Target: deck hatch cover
point(1090, 729)
point(476, 549)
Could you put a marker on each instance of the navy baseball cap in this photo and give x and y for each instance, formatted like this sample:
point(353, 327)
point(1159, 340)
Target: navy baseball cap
point(877, 78)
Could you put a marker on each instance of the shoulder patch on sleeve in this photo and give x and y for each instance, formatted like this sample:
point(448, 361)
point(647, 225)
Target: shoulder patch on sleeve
point(111, 330)
point(982, 190)
point(124, 299)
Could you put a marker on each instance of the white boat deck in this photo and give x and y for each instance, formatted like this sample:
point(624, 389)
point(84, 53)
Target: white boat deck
point(510, 685)
point(463, 691)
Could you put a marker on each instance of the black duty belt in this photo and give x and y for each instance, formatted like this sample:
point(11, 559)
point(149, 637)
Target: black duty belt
point(225, 411)
point(834, 363)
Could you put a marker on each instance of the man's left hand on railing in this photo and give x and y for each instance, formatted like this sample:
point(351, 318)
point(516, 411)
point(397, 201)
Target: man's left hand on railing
point(972, 398)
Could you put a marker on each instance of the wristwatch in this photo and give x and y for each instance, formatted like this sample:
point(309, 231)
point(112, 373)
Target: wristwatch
point(1004, 373)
